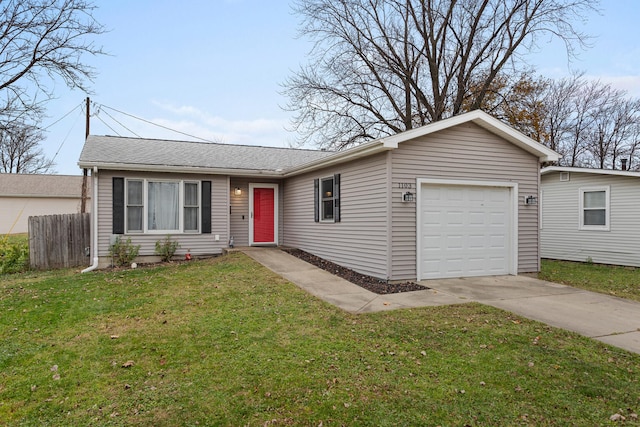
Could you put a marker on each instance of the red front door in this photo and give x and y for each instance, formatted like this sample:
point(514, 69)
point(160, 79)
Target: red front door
point(264, 214)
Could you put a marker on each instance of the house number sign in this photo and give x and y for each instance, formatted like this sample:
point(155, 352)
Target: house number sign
point(405, 185)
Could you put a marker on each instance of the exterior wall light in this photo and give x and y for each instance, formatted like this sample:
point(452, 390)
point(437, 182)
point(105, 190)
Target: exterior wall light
point(237, 191)
point(407, 197)
point(531, 200)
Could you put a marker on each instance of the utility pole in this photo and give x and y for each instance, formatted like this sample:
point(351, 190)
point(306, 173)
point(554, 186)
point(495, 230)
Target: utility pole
point(83, 202)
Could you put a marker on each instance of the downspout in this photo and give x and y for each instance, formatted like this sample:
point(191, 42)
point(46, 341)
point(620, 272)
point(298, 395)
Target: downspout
point(94, 217)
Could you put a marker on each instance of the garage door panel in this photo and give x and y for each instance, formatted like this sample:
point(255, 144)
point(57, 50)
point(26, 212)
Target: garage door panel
point(465, 230)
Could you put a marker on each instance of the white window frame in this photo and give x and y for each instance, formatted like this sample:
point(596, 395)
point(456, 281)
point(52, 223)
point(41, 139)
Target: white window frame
point(199, 207)
point(607, 207)
point(145, 210)
point(323, 199)
point(127, 205)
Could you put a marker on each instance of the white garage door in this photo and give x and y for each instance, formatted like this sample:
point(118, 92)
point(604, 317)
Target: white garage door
point(465, 231)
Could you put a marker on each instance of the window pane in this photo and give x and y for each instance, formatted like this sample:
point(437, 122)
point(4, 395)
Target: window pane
point(190, 194)
point(163, 206)
point(327, 209)
point(595, 199)
point(594, 217)
point(190, 219)
point(134, 218)
point(134, 193)
point(327, 188)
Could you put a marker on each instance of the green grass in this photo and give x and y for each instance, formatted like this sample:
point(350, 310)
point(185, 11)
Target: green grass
point(17, 238)
point(614, 280)
point(226, 342)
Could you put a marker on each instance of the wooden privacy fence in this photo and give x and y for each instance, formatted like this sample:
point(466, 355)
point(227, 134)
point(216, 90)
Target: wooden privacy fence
point(59, 241)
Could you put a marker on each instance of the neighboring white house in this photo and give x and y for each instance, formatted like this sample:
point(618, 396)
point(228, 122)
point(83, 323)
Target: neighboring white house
point(25, 195)
point(590, 215)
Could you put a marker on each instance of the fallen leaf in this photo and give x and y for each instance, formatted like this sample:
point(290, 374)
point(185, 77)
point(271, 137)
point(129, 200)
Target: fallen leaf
point(127, 364)
point(115, 337)
point(617, 417)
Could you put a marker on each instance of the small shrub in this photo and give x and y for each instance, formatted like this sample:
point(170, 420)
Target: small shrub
point(166, 248)
point(14, 256)
point(123, 252)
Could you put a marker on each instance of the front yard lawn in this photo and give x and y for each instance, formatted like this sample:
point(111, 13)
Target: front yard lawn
point(226, 342)
point(613, 280)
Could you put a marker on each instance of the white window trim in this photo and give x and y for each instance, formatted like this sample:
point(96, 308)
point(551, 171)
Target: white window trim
point(607, 213)
point(126, 206)
point(145, 207)
point(321, 199)
point(182, 206)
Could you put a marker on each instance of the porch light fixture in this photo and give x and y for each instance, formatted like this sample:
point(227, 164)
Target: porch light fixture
point(407, 197)
point(531, 200)
point(237, 191)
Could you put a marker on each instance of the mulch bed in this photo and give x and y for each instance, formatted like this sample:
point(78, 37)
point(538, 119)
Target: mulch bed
point(369, 283)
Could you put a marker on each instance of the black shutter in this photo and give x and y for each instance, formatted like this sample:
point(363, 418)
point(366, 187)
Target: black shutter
point(316, 200)
point(336, 197)
point(118, 206)
point(206, 207)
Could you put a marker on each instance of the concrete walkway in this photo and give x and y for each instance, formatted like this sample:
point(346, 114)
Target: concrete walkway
point(611, 320)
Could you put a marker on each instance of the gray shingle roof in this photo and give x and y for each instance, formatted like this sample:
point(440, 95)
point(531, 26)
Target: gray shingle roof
point(128, 152)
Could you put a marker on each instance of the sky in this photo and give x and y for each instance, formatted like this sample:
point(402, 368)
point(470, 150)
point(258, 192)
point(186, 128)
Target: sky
point(214, 69)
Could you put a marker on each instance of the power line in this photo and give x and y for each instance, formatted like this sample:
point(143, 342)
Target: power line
point(107, 125)
point(61, 118)
point(155, 124)
point(113, 118)
point(68, 133)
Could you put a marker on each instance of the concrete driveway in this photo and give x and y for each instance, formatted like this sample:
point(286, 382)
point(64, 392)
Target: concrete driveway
point(612, 320)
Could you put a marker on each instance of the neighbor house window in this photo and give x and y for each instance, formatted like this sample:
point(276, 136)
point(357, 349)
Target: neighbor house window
point(327, 199)
point(162, 206)
point(594, 208)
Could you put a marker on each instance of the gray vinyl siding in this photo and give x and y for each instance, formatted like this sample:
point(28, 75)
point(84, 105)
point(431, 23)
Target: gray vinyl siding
point(198, 244)
point(240, 215)
point(359, 241)
point(561, 237)
point(464, 152)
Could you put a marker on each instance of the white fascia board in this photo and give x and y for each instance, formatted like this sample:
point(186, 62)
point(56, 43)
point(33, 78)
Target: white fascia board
point(363, 150)
point(180, 169)
point(551, 169)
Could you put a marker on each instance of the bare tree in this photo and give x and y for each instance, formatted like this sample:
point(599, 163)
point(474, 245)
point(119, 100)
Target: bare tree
point(614, 129)
point(20, 151)
point(42, 41)
point(380, 67)
point(590, 123)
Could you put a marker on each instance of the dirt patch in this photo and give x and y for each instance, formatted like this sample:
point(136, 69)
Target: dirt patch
point(369, 283)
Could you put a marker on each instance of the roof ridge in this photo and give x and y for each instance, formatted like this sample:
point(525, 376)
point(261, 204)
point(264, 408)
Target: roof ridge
point(210, 143)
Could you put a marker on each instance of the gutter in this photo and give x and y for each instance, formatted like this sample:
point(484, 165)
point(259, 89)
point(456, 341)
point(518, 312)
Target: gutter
point(255, 173)
point(94, 216)
point(363, 150)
